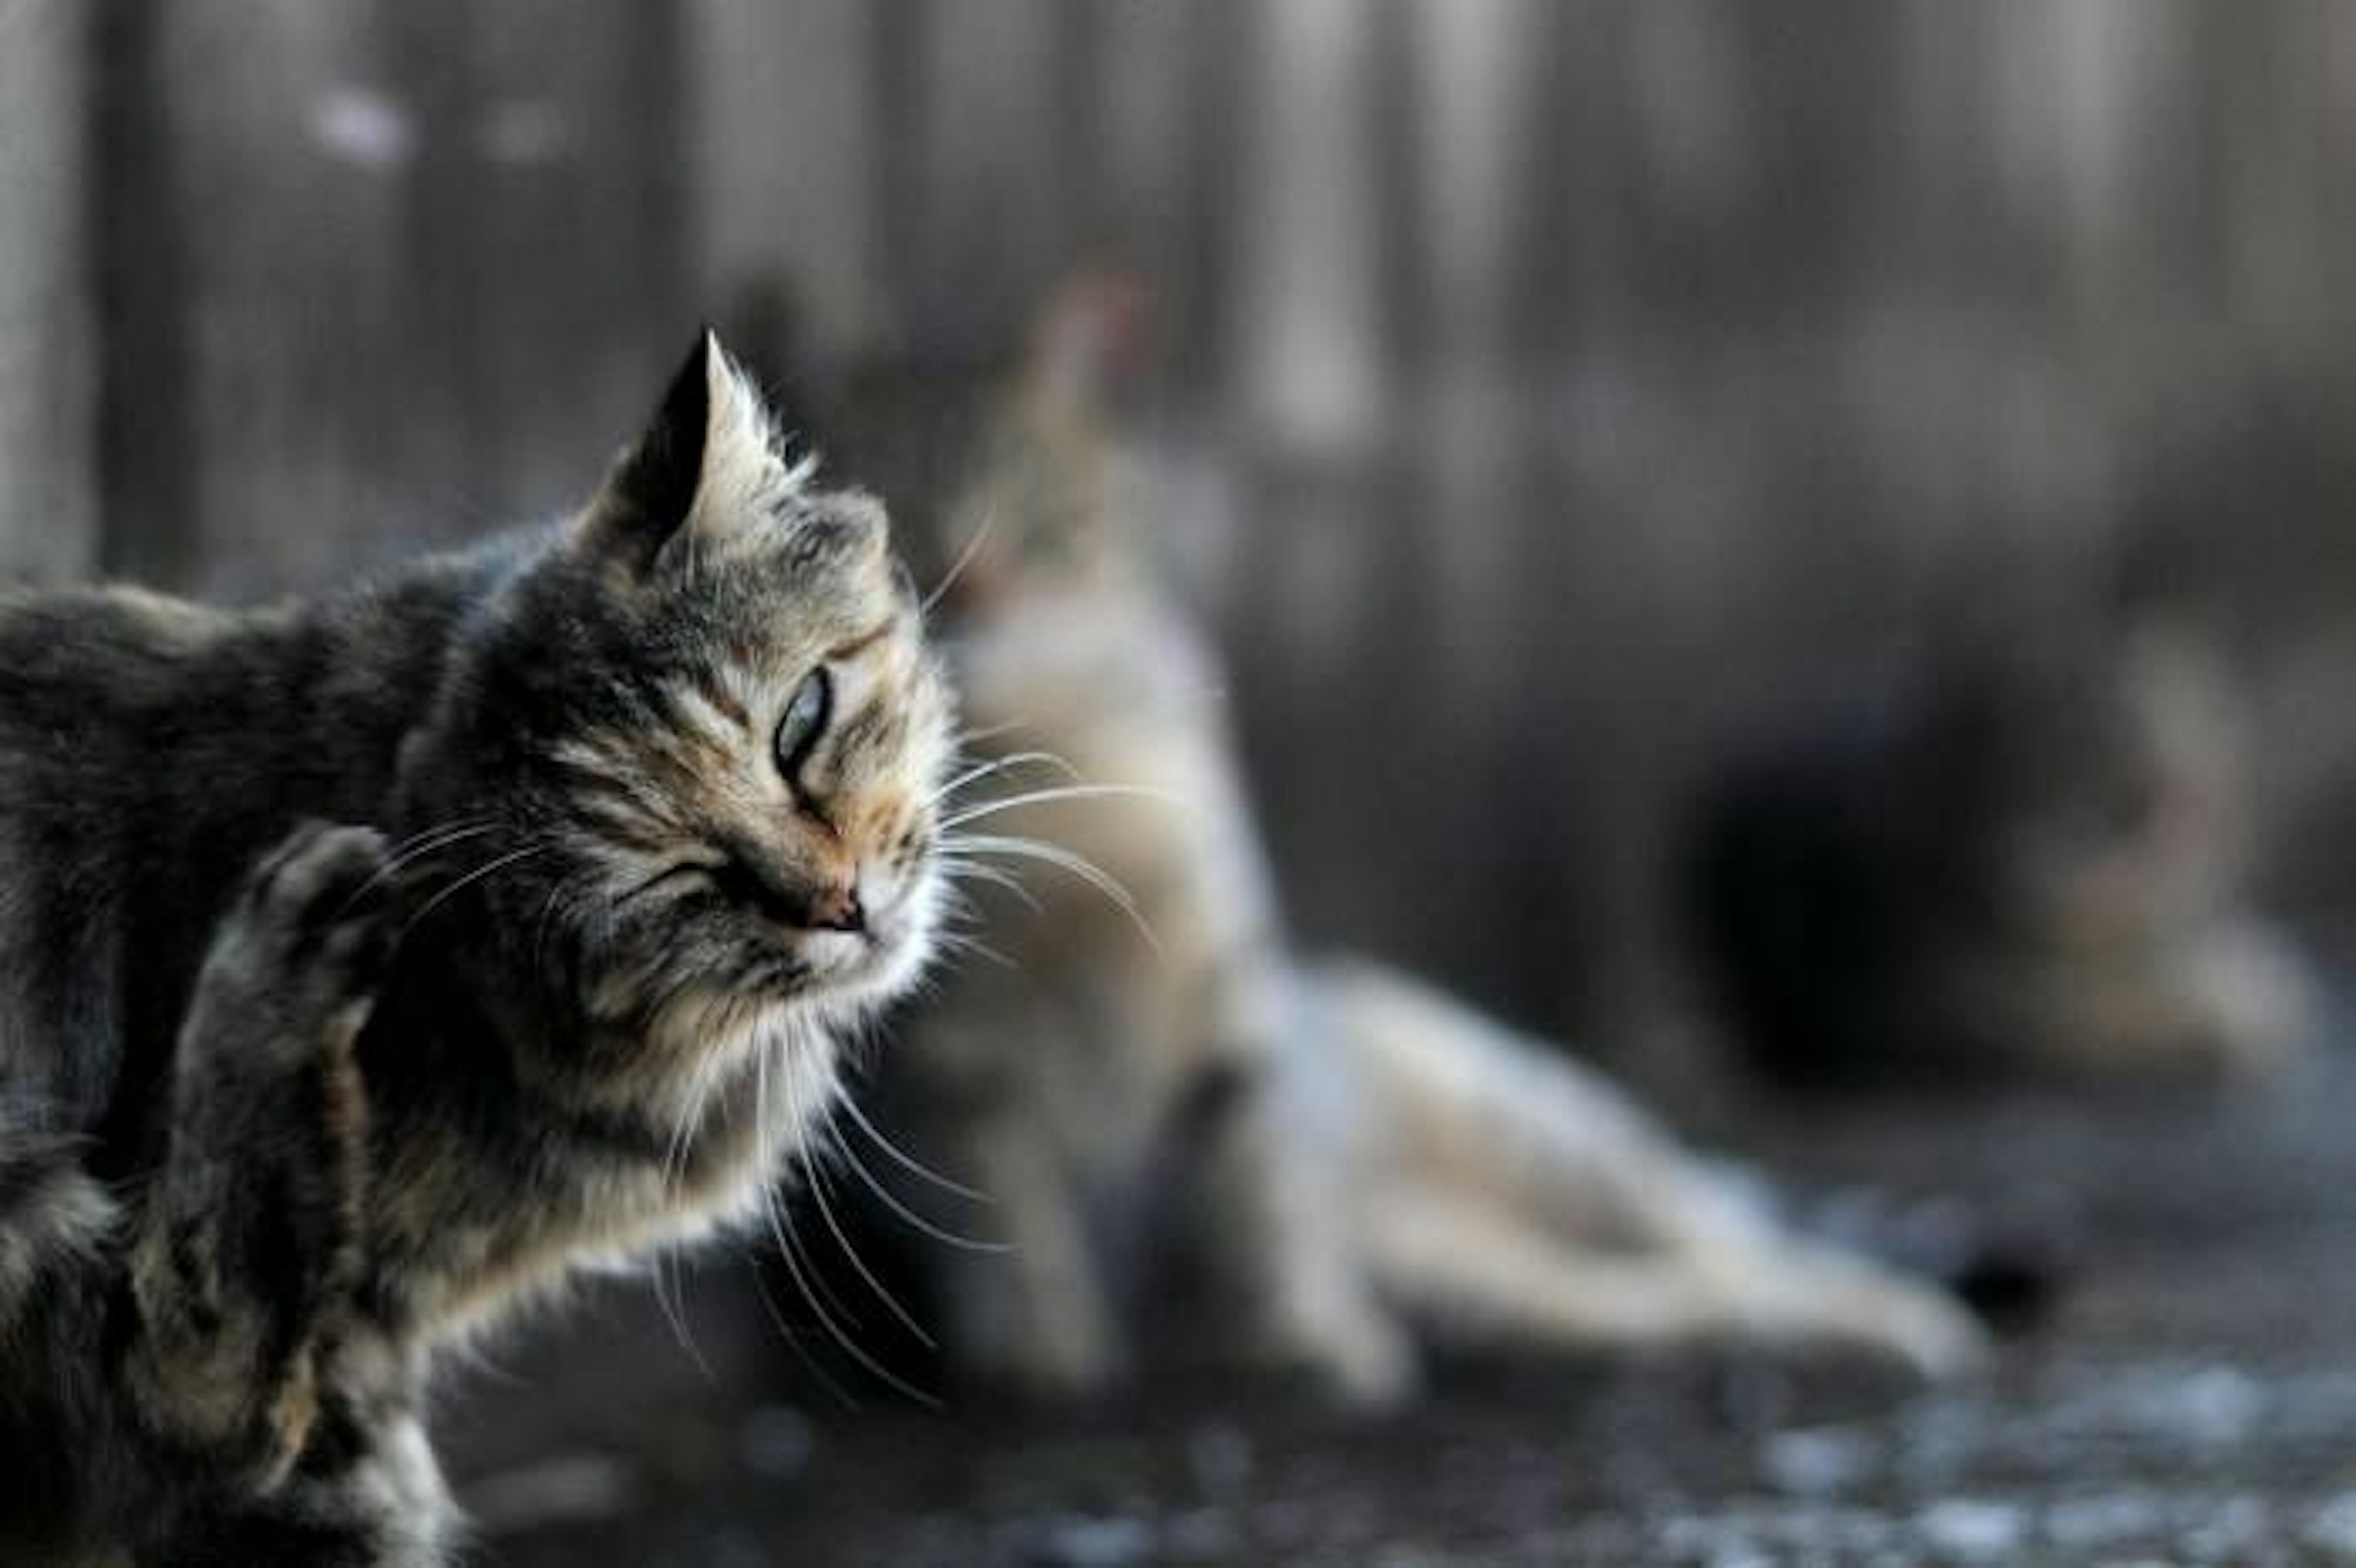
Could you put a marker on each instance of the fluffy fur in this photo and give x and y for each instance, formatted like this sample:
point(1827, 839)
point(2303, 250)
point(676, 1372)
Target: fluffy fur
point(1344, 1159)
point(372, 964)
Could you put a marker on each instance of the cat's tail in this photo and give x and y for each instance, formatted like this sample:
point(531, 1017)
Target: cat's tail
point(1512, 1196)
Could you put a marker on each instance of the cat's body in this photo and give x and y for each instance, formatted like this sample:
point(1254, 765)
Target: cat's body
point(289, 1107)
point(1346, 1159)
point(2029, 862)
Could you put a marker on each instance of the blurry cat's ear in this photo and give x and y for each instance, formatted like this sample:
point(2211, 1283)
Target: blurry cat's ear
point(705, 463)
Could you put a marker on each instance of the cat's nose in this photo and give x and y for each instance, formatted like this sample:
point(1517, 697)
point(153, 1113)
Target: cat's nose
point(838, 909)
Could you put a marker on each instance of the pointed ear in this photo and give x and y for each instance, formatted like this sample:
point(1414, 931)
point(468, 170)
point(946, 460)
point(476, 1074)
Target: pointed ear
point(649, 493)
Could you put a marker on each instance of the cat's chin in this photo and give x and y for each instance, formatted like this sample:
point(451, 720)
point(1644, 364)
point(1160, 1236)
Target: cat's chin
point(854, 972)
point(858, 973)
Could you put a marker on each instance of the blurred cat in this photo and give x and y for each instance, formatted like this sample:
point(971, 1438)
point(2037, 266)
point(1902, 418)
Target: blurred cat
point(1338, 1158)
point(2031, 861)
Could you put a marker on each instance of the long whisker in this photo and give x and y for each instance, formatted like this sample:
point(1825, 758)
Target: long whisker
point(769, 1214)
point(795, 1268)
point(793, 1340)
point(963, 870)
point(826, 1213)
point(992, 731)
point(1062, 792)
point(998, 765)
point(416, 846)
point(674, 1164)
point(1079, 866)
point(916, 1221)
point(953, 944)
point(899, 1157)
point(470, 880)
point(965, 559)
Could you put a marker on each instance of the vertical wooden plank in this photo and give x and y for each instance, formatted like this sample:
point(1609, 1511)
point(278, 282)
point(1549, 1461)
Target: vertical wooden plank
point(1310, 399)
point(998, 180)
point(785, 169)
point(550, 242)
point(1307, 308)
point(250, 171)
point(380, 274)
point(47, 508)
point(1160, 82)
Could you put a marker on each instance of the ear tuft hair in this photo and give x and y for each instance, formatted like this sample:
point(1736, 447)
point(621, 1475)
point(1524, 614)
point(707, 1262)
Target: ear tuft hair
point(708, 462)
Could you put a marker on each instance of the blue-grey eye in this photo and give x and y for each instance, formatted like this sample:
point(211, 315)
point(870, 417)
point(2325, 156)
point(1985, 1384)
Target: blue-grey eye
point(805, 721)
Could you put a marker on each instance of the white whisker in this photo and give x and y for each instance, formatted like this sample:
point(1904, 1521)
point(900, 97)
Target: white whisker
point(980, 770)
point(965, 559)
point(470, 880)
point(1078, 865)
point(1062, 792)
point(850, 1253)
point(899, 1157)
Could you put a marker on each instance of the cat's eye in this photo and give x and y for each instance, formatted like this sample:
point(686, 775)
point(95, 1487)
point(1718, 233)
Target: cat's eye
point(805, 721)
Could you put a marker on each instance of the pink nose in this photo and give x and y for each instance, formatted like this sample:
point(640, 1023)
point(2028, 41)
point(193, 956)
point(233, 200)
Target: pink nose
point(837, 909)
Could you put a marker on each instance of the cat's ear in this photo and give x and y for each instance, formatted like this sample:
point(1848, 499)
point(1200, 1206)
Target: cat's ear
point(706, 465)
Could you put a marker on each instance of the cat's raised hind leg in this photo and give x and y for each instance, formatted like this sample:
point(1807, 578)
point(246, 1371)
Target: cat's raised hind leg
point(1478, 1276)
point(251, 1229)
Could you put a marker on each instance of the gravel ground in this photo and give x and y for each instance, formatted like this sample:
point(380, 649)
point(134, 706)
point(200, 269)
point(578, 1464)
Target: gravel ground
point(2190, 1397)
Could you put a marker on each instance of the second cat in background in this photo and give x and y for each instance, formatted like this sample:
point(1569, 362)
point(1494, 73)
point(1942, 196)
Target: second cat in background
point(1162, 1100)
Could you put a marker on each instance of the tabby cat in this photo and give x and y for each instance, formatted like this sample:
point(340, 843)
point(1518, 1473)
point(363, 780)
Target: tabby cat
point(1342, 1158)
point(374, 963)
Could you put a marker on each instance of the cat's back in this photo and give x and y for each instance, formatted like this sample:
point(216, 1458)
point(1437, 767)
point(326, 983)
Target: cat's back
point(150, 749)
point(76, 658)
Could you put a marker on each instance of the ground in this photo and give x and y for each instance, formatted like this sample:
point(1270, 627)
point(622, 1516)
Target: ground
point(2190, 1397)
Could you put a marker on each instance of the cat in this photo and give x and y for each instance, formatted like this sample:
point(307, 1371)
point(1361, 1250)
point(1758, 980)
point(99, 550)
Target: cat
point(1347, 1161)
point(374, 964)
point(2028, 861)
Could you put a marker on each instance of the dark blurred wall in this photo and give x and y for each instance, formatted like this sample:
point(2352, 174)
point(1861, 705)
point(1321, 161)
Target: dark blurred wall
point(1547, 391)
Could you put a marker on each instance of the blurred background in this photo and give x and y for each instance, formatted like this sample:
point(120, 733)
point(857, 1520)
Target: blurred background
point(1544, 395)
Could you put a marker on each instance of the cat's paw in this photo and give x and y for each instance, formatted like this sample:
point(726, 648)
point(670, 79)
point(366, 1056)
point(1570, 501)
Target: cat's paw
point(298, 962)
point(1916, 1327)
point(1361, 1360)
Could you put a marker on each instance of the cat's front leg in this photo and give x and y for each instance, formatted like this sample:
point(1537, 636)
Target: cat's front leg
point(1269, 1224)
point(1033, 1316)
point(251, 1229)
point(365, 1494)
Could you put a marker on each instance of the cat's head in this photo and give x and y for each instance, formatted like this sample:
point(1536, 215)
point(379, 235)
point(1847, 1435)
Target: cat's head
point(2062, 758)
point(1003, 466)
point(704, 723)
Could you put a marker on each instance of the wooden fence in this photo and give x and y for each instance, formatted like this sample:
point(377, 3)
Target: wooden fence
point(1550, 385)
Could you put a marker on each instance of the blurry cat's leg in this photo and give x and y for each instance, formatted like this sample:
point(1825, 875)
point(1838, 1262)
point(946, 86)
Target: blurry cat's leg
point(1033, 1315)
point(1271, 1222)
point(1480, 1274)
point(1451, 1099)
point(1520, 1192)
point(250, 1229)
